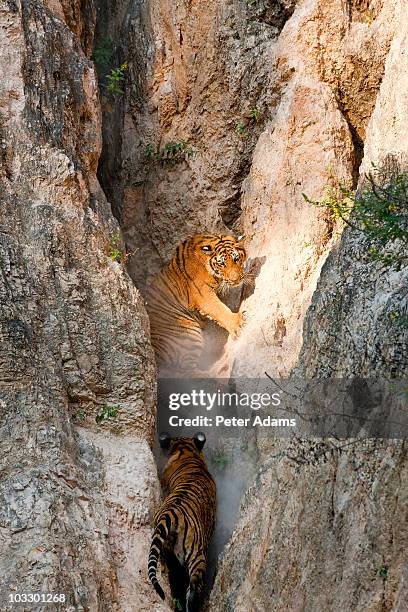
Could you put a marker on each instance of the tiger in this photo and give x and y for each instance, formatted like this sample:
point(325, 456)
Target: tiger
point(185, 521)
point(184, 293)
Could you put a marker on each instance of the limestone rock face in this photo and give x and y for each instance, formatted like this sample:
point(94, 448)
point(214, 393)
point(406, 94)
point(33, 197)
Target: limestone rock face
point(75, 496)
point(320, 537)
point(317, 535)
point(273, 101)
point(329, 61)
point(360, 304)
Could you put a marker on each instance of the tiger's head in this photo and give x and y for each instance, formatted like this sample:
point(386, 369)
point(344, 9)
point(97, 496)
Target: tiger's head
point(224, 257)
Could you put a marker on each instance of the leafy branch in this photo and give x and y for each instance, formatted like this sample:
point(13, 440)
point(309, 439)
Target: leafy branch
point(173, 152)
point(379, 210)
point(115, 79)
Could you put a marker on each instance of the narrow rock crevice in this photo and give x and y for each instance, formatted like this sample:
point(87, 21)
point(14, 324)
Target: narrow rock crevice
point(208, 88)
point(358, 144)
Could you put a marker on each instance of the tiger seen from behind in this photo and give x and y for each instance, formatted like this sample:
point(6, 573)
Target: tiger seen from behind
point(185, 521)
point(186, 292)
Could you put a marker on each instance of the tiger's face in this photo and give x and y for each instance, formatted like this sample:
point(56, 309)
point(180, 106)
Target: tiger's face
point(223, 256)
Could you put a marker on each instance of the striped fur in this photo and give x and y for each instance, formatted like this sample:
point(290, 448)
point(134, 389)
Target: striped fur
point(185, 521)
point(185, 292)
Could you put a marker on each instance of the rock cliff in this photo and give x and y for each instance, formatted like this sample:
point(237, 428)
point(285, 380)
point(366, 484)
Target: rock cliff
point(223, 113)
point(76, 495)
point(332, 534)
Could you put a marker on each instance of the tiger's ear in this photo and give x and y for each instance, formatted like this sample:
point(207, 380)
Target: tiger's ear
point(164, 440)
point(199, 440)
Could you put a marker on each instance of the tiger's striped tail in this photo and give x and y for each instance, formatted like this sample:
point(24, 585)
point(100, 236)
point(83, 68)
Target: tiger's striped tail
point(159, 537)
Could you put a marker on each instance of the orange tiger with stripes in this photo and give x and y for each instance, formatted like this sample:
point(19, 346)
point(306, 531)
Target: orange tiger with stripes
point(185, 291)
point(185, 522)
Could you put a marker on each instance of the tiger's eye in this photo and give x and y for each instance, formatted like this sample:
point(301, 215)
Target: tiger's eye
point(207, 248)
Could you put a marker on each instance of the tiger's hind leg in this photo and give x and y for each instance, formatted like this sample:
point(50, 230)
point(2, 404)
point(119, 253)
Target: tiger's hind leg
point(196, 584)
point(178, 578)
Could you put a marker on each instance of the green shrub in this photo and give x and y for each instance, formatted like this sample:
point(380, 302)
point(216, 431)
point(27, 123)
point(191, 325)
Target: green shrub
point(379, 210)
point(242, 129)
point(383, 572)
point(107, 412)
point(338, 199)
point(115, 79)
point(173, 152)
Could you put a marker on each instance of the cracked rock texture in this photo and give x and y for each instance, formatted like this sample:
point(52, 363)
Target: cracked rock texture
point(332, 534)
point(75, 497)
point(271, 99)
point(331, 58)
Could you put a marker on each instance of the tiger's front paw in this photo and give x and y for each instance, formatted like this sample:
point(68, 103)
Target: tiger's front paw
point(238, 322)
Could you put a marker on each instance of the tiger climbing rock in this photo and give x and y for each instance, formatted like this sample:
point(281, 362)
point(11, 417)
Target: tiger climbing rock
point(185, 521)
point(185, 292)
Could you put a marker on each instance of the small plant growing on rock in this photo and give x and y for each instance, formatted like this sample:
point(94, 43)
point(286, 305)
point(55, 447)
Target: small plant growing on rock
point(107, 412)
point(178, 605)
point(398, 318)
point(115, 79)
point(220, 460)
point(383, 572)
point(241, 129)
point(379, 210)
point(249, 121)
point(80, 416)
point(149, 151)
point(173, 152)
point(338, 199)
point(115, 252)
point(255, 114)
